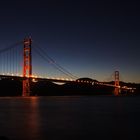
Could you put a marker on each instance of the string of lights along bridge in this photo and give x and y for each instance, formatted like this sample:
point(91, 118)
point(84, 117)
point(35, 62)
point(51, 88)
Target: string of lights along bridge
point(17, 61)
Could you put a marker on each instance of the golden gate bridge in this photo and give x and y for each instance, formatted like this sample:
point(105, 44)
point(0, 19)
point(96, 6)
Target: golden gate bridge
point(16, 62)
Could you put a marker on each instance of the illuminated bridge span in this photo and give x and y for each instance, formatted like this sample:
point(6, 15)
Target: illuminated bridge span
point(21, 62)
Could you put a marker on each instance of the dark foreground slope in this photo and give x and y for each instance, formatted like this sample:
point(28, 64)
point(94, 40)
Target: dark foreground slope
point(47, 88)
point(10, 87)
point(13, 87)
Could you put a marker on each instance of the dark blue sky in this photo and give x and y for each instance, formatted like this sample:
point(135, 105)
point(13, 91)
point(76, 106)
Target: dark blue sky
point(89, 38)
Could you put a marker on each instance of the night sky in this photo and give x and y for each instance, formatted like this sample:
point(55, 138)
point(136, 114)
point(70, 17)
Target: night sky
point(88, 38)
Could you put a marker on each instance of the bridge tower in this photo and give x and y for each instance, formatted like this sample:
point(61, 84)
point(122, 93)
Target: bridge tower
point(27, 66)
point(116, 75)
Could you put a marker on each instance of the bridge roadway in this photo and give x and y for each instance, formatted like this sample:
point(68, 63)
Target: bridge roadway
point(59, 80)
point(37, 78)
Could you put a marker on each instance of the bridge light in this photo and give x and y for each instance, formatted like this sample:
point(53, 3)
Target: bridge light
point(34, 80)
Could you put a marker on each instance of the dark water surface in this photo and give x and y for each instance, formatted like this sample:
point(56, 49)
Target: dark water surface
point(70, 118)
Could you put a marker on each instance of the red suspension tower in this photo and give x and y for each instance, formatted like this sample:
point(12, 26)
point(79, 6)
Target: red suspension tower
point(116, 78)
point(117, 81)
point(27, 66)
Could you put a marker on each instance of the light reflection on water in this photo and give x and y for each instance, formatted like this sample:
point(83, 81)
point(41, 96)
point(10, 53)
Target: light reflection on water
point(75, 117)
point(20, 118)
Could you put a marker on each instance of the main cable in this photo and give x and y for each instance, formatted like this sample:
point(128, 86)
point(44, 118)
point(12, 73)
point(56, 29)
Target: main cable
point(52, 64)
point(51, 61)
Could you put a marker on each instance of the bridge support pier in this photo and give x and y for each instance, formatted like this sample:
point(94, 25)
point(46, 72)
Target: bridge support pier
point(26, 87)
point(116, 91)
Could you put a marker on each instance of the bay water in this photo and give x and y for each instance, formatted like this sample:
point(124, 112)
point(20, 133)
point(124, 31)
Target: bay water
point(70, 118)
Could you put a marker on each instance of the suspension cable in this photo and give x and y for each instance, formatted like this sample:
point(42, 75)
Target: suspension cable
point(52, 64)
point(7, 58)
point(10, 47)
point(51, 61)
